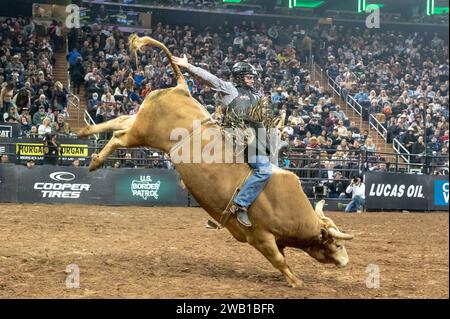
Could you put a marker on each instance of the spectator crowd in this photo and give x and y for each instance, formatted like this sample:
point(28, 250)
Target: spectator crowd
point(401, 76)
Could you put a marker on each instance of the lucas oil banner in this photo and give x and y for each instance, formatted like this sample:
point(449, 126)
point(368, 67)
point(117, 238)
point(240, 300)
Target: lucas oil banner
point(406, 191)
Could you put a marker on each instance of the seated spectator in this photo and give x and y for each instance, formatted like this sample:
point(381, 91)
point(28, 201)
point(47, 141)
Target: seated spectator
point(340, 114)
point(335, 137)
point(93, 104)
point(25, 126)
point(45, 128)
point(369, 145)
point(329, 147)
point(327, 173)
point(60, 126)
point(362, 96)
point(340, 159)
point(313, 143)
point(156, 161)
point(314, 127)
point(30, 163)
point(288, 129)
point(11, 114)
point(33, 132)
point(337, 187)
point(76, 163)
point(4, 159)
point(39, 116)
point(342, 130)
point(322, 139)
point(418, 149)
point(128, 163)
point(408, 139)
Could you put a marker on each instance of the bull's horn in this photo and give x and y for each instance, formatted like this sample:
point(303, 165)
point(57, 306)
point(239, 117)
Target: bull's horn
point(338, 234)
point(319, 208)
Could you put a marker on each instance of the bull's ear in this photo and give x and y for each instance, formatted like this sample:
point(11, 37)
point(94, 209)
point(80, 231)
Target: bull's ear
point(324, 235)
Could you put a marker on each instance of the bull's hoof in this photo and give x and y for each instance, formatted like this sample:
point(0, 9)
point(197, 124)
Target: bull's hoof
point(95, 163)
point(84, 131)
point(296, 283)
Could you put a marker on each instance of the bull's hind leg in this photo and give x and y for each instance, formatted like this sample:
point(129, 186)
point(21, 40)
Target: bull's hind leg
point(266, 244)
point(119, 139)
point(121, 123)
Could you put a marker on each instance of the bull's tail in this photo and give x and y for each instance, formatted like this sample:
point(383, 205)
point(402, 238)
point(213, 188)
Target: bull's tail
point(137, 43)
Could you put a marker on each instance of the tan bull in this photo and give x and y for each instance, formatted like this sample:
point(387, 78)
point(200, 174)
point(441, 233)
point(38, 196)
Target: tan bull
point(282, 215)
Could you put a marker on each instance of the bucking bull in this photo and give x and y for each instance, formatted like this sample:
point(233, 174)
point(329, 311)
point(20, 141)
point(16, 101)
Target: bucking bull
point(282, 215)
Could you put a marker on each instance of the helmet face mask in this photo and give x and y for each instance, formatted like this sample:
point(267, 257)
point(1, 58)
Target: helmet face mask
point(240, 70)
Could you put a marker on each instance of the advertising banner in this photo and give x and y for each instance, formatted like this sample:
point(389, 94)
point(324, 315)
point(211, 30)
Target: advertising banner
point(56, 184)
point(9, 130)
point(8, 183)
point(439, 199)
point(149, 187)
point(7, 146)
point(71, 149)
point(397, 191)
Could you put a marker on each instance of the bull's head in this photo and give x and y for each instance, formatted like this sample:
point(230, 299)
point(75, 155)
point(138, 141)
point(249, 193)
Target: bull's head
point(329, 246)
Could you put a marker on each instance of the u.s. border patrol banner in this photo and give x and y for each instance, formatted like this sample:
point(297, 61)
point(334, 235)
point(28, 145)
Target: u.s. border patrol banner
point(149, 187)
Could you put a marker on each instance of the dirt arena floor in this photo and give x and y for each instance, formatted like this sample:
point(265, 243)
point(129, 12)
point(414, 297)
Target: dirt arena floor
point(137, 252)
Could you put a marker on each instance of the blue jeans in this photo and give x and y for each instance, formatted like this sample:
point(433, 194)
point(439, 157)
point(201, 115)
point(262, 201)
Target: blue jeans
point(262, 170)
point(357, 203)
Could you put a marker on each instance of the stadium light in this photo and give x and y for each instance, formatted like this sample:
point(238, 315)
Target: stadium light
point(433, 8)
point(362, 6)
point(305, 3)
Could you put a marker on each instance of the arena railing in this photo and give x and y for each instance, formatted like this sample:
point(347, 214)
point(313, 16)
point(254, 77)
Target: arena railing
point(89, 121)
point(400, 149)
point(354, 104)
point(378, 127)
point(74, 103)
point(307, 166)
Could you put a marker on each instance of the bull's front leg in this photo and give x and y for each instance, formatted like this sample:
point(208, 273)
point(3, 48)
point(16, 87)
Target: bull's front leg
point(121, 123)
point(267, 245)
point(119, 139)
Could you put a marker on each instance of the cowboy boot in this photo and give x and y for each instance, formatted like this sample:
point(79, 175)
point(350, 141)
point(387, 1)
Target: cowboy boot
point(241, 215)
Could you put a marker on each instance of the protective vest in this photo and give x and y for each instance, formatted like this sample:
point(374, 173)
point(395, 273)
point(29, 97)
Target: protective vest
point(242, 103)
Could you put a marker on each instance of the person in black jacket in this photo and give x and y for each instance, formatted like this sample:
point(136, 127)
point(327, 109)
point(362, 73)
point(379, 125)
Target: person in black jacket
point(51, 150)
point(77, 74)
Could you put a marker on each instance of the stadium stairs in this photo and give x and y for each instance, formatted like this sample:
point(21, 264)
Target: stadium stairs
point(76, 103)
point(381, 144)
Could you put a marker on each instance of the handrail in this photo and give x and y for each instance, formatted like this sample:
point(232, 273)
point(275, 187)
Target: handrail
point(354, 104)
point(75, 104)
point(378, 127)
point(400, 149)
point(89, 121)
point(315, 71)
point(68, 73)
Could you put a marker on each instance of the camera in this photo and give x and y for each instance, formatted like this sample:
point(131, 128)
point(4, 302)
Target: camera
point(320, 190)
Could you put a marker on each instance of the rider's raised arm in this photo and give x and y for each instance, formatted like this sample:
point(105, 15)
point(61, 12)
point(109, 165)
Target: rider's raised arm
point(213, 81)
